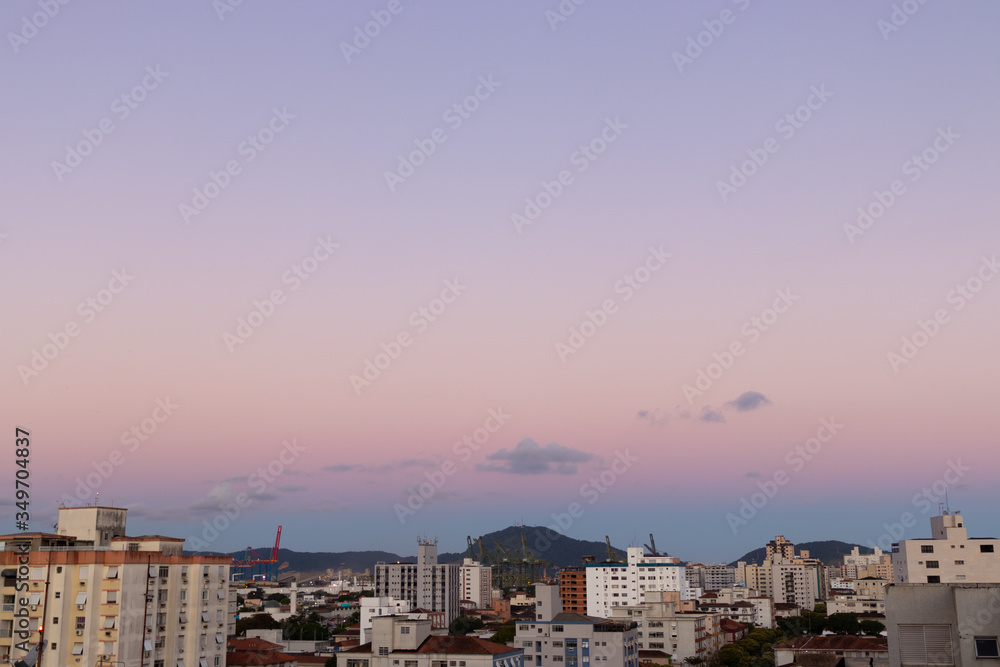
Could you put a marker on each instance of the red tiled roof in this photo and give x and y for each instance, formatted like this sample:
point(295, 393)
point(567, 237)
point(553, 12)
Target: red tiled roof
point(462, 645)
point(257, 658)
point(251, 644)
point(835, 643)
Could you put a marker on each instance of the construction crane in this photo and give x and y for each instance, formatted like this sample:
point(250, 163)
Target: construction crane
point(652, 547)
point(611, 553)
point(254, 563)
point(528, 557)
point(484, 556)
point(472, 554)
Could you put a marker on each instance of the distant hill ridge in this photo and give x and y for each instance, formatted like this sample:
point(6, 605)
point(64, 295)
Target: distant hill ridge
point(560, 552)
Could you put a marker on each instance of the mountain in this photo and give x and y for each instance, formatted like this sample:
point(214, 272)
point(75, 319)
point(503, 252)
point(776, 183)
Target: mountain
point(560, 552)
point(831, 552)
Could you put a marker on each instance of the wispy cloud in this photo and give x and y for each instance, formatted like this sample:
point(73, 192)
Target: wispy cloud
point(748, 400)
point(653, 417)
point(530, 458)
point(711, 416)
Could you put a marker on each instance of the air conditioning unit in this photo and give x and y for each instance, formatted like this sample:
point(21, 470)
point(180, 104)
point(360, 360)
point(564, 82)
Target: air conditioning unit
point(79, 633)
point(34, 608)
point(80, 607)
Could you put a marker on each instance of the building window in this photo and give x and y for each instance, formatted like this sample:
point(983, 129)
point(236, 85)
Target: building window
point(926, 548)
point(986, 548)
point(164, 571)
point(81, 622)
point(112, 597)
point(409, 663)
point(934, 580)
point(932, 564)
point(986, 647)
point(405, 630)
point(383, 650)
point(555, 628)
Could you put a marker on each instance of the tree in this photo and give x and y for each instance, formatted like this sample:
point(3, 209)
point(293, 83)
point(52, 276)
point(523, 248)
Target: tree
point(306, 627)
point(505, 634)
point(871, 627)
point(820, 608)
point(463, 625)
point(280, 598)
point(732, 655)
point(256, 622)
point(844, 624)
point(331, 661)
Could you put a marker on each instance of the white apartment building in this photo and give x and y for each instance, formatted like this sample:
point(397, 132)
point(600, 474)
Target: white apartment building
point(623, 584)
point(662, 625)
point(854, 604)
point(559, 639)
point(404, 642)
point(740, 604)
point(948, 556)
point(425, 584)
point(477, 583)
point(384, 606)
point(92, 595)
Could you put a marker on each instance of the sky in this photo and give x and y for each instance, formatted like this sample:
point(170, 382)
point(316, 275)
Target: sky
point(370, 271)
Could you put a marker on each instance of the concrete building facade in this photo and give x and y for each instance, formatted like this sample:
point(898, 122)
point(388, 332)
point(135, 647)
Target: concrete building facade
point(612, 585)
point(425, 584)
point(106, 597)
point(559, 639)
point(477, 583)
point(948, 556)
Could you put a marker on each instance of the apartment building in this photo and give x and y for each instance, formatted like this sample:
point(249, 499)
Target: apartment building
point(943, 624)
point(856, 564)
point(573, 589)
point(948, 556)
point(405, 642)
point(384, 606)
point(426, 584)
point(477, 583)
point(740, 604)
point(664, 623)
point(92, 595)
point(559, 639)
point(612, 585)
point(788, 578)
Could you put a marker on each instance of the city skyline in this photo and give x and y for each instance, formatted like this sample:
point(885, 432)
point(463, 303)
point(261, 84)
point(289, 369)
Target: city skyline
point(713, 272)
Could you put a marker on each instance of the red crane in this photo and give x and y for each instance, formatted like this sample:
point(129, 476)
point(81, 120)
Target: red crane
point(255, 563)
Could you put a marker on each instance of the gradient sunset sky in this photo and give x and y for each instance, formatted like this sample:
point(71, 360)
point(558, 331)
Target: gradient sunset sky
point(672, 98)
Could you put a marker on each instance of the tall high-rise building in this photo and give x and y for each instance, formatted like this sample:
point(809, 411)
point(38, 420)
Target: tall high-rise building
point(425, 584)
point(573, 589)
point(92, 595)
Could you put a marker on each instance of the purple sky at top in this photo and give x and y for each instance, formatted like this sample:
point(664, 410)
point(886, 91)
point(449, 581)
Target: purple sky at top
point(502, 294)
